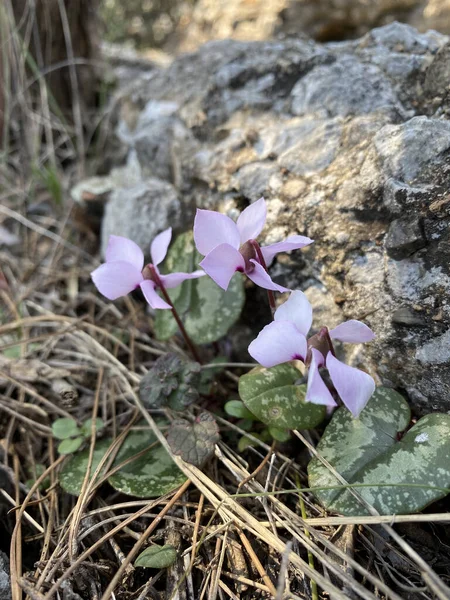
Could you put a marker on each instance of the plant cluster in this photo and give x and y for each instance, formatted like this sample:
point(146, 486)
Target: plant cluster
point(299, 380)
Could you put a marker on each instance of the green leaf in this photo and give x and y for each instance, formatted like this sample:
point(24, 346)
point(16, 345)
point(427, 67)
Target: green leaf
point(151, 475)
point(65, 428)
point(156, 557)
point(206, 310)
point(270, 394)
point(87, 425)
point(70, 445)
point(367, 451)
point(236, 408)
point(194, 442)
point(281, 435)
point(172, 382)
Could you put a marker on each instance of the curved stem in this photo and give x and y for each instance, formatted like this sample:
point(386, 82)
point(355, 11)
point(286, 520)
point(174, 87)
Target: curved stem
point(262, 262)
point(190, 344)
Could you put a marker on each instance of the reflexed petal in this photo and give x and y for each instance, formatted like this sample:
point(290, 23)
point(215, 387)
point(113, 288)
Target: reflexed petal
point(260, 276)
point(150, 294)
point(174, 279)
point(158, 248)
point(294, 242)
point(352, 331)
point(212, 229)
point(122, 249)
point(277, 343)
point(116, 279)
point(296, 309)
point(317, 391)
point(251, 220)
point(353, 386)
point(221, 264)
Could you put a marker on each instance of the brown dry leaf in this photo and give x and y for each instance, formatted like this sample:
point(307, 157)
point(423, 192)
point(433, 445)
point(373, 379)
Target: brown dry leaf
point(29, 369)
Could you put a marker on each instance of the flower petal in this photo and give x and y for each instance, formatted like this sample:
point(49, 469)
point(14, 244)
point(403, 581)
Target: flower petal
point(221, 264)
point(155, 301)
point(352, 331)
point(317, 391)
point(296, 309)
point(260, 276)
point(116, 279)
point(212, 229)
point(158, 248)
point(277, 343)
point(122, 249)
point(294, 242)
point(174, 279)
point(354, 386)
point(252, 220)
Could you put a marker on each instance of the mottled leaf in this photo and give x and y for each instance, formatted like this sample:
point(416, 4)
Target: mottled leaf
point(171, 382)
point(206, 310)
point(367, 451)
point(152, 474)
point(274, 398)
point(65, 428)
point(157, 557)
point(194, 442)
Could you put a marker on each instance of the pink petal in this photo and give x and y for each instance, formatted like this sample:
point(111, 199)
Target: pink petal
point(352, 331)
point(159, 246)
point(174, 279)
point(317, 391)
point(277, 343)
point(354, 386)
point(252, 220)
point(115, 279)
point(122, 249)
point(260, 276)
point(296, 309)
point(155, 301)
point(222, 263)
point(294, 242)
point(212, 229)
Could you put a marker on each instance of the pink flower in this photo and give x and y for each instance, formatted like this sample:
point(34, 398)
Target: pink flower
point(124, 270)
point(286, 339)
point(229, 247)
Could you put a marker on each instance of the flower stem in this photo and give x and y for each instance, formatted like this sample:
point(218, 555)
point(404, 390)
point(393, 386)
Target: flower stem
point(190, 344)
point(262, 262)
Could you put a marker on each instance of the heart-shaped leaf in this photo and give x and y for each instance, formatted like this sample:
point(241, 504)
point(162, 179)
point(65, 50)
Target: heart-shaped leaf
point(65, 428)
point(194, 442)
point(366, 451)
point(272, 396)
point(157, 557)
point(70, 445)
point(172, 382)
point(150, 475)
point(206, 310)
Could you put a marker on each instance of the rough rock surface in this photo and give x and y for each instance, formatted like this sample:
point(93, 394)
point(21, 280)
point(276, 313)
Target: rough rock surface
point(350, 144)
point(5, 582)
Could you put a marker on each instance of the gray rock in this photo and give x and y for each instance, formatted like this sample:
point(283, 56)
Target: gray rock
point(5, 581)
point(141, 212)
point(363, 168)
point(346, 87)
point(404, 237)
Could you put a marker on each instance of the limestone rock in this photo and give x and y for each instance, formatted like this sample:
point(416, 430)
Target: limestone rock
point(5, 582)
point(349, 146)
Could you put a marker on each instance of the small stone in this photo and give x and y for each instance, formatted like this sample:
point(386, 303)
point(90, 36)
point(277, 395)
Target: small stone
point(5, 581)
point(405, 316)
point(404, 237)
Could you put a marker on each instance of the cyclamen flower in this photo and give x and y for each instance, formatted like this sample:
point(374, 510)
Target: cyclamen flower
point(286, 339)
point(124, 270)
point(229, 247)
